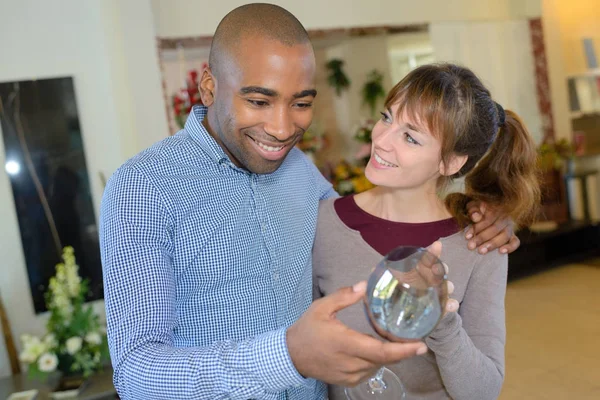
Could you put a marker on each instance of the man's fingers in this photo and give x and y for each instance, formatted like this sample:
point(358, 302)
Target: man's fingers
point(342, 298)
point(391, 353)
point(483, 238)
point(381, 353)
point(512, 245)
point(476, 210)
point(489, 220)
point(494, 243)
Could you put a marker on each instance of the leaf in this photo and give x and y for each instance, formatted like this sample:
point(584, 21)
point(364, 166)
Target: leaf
point(373, 90)
point(34, 372)
point(337, 78)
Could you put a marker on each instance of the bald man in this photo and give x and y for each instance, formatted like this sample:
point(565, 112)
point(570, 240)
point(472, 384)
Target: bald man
point(206, 239)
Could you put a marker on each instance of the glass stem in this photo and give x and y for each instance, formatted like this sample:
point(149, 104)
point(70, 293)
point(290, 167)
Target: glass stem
point(376, 383)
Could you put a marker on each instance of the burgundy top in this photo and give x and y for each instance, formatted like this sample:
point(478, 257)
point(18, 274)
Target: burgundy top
point(384, 235)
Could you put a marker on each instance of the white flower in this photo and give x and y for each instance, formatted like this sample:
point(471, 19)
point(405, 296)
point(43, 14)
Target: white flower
point(26, 339)
point(32, 348)
point(50, 341)
point(61, 273)
point(74, 345)
point(48, 362)
point(93, 338)
point(27, 357)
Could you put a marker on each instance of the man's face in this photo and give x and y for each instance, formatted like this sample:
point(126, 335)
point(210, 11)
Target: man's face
point(262, 102)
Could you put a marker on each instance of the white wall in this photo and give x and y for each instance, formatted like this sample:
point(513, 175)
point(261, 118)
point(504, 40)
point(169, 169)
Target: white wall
point(500, 53)
point(109, 49)
point(182, 18)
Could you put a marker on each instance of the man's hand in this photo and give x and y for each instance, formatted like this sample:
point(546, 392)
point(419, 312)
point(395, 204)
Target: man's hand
point(323, 348)
point(490, 230)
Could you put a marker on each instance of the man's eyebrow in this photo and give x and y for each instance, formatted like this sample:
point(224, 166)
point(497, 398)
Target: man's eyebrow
point(305, 93)
point(259, 90)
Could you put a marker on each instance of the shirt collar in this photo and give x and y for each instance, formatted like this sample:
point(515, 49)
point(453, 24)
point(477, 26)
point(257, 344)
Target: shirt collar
point(193, 126)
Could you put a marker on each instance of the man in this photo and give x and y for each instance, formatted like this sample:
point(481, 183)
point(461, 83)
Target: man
point(206, 239)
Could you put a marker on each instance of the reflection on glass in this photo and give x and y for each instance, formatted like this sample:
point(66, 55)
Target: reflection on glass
point(46, 165)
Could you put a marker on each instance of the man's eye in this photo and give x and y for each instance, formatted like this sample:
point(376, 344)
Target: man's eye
point(258, 103)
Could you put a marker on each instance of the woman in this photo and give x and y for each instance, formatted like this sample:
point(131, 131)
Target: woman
point(439, 123)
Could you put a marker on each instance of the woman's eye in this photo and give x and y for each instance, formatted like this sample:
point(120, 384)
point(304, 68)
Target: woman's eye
point(410, 139)
point(385, 117)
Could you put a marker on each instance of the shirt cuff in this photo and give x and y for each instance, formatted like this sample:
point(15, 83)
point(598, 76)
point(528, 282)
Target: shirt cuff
point(274, 364)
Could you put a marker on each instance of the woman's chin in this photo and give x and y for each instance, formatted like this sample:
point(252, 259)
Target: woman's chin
point(372, 176)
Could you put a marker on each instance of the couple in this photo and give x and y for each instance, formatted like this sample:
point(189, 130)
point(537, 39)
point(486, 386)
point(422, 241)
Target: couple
point(207, 237)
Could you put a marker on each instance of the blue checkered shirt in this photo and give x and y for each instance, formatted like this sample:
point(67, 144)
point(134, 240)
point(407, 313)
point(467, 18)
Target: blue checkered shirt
point(205, 267)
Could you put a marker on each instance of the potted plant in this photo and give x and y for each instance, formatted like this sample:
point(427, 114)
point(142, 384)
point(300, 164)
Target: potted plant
point(556, 155)
point(337, 78)
point(373, 90)
point(75, 343)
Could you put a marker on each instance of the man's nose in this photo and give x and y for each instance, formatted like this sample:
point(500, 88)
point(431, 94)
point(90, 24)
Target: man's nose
point(280, 124)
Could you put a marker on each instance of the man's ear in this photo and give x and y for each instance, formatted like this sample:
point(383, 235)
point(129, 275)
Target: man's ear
point(455, 163)
point(207, 87)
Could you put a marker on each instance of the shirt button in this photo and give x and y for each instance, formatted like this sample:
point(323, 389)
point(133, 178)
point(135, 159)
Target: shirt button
point(275, 276)
point(263, 227)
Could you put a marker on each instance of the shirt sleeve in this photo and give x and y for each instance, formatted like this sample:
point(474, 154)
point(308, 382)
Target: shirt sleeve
point(469, 345)
point(136, 240)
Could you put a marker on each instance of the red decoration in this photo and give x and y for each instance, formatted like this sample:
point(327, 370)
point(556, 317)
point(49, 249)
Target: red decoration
point(541, 78)
point(187, 97)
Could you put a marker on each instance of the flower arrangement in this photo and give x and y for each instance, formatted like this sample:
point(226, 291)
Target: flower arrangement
point(552, 155)
point(312, 141)
point(75, 342)
point(363, 133)
point(349, 179)
point(363, 136)
point(187, 97)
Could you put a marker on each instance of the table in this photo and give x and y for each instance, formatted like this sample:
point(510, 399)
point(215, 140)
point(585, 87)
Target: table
point(99, 387)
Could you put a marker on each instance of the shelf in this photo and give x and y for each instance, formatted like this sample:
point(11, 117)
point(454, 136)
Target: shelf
point(585, 74)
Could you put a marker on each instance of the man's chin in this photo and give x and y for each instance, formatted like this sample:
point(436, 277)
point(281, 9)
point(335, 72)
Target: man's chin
point(263, 167)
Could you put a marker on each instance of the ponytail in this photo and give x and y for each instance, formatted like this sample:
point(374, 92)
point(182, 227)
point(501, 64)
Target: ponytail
point(506, 178)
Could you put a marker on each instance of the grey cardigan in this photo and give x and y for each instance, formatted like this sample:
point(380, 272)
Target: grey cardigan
point(466, 350)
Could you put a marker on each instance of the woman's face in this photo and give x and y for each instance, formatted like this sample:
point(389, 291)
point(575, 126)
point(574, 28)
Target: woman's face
point(404, 154)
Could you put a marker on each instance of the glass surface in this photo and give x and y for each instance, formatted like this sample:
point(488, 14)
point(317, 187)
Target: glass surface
point(405, 299)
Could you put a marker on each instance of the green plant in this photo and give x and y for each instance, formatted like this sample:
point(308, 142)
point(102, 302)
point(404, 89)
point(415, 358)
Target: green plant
point(337, 78)
point(553, 154)
point(373, 90)
point(75, 342)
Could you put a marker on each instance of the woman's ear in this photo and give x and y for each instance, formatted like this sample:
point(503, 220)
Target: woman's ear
point(455, 163)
